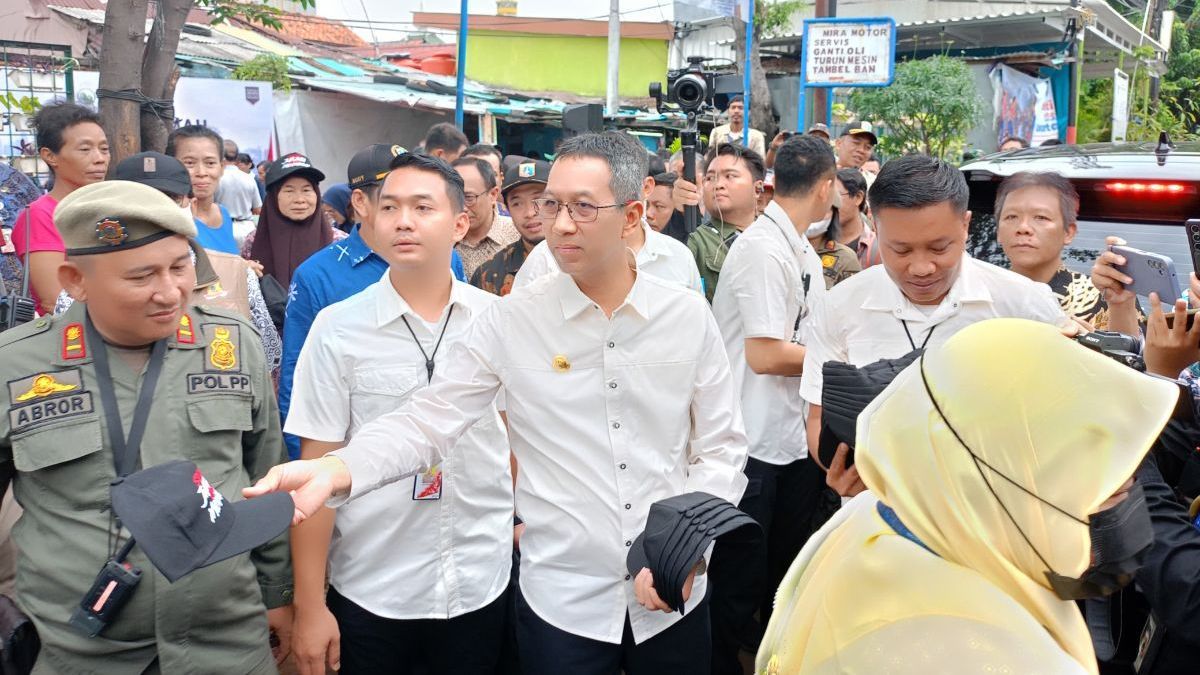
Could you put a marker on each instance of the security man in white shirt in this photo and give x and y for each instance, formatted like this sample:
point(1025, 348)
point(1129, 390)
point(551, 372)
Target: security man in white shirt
point(657, 254)
point(771, 280)
point(618, 394)
point(926, 290)
point(419, 569)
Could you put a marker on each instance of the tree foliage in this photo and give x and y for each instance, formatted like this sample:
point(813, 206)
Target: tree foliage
point(266, 68)
point(930, 107)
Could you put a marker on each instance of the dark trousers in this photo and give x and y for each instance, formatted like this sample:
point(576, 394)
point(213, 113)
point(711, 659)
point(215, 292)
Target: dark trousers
point(791, 502)
point(682, 649)
point(465, 645)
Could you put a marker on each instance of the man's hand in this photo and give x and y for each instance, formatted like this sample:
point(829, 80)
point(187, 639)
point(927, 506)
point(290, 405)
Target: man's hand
point(317, 641)
point(1170, 350)
point(685, 194)
point(257, 267)
point(643, 590)
point(311, 481)
point(780, 139)
point(279, 621)
point(1110, 281)
point(843, 480)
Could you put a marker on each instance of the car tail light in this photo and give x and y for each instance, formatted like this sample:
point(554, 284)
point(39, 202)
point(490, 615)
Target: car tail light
point(1147, 188)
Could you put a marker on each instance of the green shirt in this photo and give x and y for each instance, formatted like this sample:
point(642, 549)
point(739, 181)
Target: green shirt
point(710, 244)
point(215, 407)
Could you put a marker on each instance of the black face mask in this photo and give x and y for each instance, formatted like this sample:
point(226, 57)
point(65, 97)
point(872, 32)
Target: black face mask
point(1121, 535)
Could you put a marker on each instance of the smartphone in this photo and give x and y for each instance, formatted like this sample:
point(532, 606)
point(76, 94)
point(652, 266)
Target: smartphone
point(1191, 319)
point(1151, 273)
point(1193, 234)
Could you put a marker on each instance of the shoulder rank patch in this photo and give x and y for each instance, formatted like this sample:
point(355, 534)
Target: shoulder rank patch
point(73, 344)
point(221, 354)
point(184, 335)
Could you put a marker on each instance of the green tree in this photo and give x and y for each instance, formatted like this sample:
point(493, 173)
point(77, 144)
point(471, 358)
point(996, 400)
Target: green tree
point(266, 68)
point(770, 19)
point(929, 108)
point(136, 63)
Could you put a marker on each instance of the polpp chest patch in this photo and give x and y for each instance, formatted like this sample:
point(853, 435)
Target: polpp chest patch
point(43, 398)
point(219, 383)
point(222, 351)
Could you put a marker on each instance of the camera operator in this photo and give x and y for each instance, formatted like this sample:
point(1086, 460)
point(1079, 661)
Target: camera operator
point(731, 133)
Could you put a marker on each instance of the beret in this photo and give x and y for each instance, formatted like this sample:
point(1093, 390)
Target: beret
point(116, 215)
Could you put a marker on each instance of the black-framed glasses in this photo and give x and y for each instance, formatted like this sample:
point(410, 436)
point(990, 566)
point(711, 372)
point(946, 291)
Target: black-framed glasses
point(580, 212)
point(469, 198)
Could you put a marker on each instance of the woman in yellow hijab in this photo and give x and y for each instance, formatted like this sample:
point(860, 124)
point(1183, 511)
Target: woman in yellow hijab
point(988, 462)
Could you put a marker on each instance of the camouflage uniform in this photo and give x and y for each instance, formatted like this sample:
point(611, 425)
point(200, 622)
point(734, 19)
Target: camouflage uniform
point(497, 275)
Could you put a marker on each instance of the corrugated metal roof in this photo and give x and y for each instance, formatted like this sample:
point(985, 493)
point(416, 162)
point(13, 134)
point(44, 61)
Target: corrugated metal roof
point(258, 40)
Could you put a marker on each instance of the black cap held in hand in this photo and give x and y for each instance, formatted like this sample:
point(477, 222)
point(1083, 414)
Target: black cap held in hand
point(183, 523)
point(678, 531)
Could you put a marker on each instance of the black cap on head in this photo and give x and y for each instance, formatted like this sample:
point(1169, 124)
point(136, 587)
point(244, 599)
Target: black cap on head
point(161, 172)
point(182, 523)
point(289, 165)
point(371, 165)
point(678, 531)
point(525, 172)
point(860, 128)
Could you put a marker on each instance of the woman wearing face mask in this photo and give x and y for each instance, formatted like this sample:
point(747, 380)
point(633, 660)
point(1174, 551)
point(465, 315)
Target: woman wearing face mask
point(838, 261)
point(1000, 491)
point(291, 226)
point(72, 143)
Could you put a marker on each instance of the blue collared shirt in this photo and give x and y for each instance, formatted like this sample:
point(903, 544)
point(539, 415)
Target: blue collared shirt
point(330, 275)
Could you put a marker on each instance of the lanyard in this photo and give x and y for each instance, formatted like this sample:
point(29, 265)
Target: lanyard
point(910, 339)
point(126, 450)
point(429, 357)
point(889, 516)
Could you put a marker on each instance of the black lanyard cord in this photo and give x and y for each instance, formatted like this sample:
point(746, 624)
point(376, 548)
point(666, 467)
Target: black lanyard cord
point(126, 450)
point(913, 343)
point(429, 357)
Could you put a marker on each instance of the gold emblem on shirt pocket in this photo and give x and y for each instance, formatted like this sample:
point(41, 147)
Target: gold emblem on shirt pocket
point(560, 363)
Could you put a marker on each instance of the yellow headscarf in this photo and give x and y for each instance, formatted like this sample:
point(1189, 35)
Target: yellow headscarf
point(1065, 423)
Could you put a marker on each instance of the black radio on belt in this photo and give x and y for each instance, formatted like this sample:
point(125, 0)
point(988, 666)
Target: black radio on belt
point(18, 307)
point(109, 592)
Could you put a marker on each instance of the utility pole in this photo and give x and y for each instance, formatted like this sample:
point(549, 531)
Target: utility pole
point(822, 95)
point(614, 56)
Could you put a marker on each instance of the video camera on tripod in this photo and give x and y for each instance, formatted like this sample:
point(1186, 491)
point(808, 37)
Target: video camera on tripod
point(692, 89)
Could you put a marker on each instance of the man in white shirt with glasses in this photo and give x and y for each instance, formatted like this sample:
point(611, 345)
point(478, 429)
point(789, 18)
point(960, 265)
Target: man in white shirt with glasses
point(618, 393)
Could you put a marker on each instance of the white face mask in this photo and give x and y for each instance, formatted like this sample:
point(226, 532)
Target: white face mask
point(819, 228)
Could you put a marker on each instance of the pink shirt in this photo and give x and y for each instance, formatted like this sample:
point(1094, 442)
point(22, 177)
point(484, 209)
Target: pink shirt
point(43, 235)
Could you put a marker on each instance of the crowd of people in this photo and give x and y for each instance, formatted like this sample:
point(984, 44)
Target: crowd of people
point(489, 370)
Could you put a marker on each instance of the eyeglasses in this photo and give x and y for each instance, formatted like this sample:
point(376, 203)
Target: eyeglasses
point(469, 198)
point(580, 212)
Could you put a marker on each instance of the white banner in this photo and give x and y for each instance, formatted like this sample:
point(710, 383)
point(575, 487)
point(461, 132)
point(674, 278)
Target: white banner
point(736, 8)
point(1024, 106)
point(848, 53)
point(1120, 110)
point(241, 110)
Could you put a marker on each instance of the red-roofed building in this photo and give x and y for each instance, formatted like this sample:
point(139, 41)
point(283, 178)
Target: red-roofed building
point(313, 29)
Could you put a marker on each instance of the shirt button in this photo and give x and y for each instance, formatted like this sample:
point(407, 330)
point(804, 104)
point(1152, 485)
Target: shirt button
point(628, 506)
point(627, 577)
point(611, 345)
point(612, 385)
point(622, 466)
point(616, 425)
point(629, 543)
